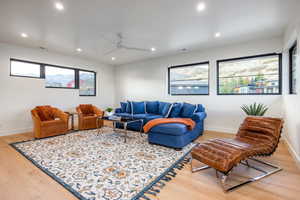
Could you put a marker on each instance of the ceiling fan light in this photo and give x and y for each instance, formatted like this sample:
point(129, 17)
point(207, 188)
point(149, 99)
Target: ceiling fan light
point(153, 49)
point(113, 58)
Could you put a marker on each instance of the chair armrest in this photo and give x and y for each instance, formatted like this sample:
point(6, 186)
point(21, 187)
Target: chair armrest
point(98, 112)
point(61, 115)
point(118, 110)
point(199, 116)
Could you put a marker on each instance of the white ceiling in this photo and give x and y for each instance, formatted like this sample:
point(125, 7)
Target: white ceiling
point(168, 25)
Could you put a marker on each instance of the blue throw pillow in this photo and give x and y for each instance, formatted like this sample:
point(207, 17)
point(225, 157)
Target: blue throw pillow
point(167, 110)
point(161, 106)
point(152, 107)
point(200, 108)
point(123, 107)
point(128, 107)
point(175, 112)
point(188, 110)
point(138, 107)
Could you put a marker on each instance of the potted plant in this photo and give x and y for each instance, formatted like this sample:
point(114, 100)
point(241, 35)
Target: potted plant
point(109, 111)
point(255, 109)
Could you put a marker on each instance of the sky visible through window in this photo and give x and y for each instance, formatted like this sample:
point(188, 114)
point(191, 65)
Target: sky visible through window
point(25, 69)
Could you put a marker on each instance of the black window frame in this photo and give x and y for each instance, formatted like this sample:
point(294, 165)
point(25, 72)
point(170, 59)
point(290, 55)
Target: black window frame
point(291, 86)
point(249, 57)
point(95, 82)
point(189, 65)
point(25, 61)
point(43, 75)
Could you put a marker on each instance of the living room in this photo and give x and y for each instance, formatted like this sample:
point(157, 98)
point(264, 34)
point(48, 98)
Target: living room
point(210, 58)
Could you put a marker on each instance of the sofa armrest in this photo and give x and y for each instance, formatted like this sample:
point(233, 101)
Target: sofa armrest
point(118, 110)
point(199, 116)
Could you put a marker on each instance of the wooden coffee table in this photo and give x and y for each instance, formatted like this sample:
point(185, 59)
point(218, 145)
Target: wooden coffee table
point(122, 120)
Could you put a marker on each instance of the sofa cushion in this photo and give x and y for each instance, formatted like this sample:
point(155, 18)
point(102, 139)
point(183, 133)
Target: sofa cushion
point(128, 107)
point(187, 110)
point(200, 108)
point(140, 116)
point(161, 108)
point(170, 129)
point(138, 107)
point(123, 106)
point(86, 109)
point(151, 117)
point(175, 112)
point(152, 107)
point(167, 110)
point(123, 114)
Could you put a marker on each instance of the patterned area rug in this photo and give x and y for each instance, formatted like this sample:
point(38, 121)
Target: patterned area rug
point(101, 166)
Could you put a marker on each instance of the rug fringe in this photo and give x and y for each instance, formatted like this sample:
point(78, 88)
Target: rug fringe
point(155, 188)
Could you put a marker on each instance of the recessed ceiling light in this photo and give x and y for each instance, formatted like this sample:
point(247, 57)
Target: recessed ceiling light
point(79, 50)
point(24, 35)
point(201, 6)
point(113, 58)
point(218, 34)
point(153, 49)
point(59, 6)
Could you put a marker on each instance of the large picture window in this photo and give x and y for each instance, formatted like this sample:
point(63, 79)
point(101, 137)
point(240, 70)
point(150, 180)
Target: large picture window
point(87, 83)
point(191, 79)
point(57, 77)
point(256, 75)
point(293, 63)
point(25, 69)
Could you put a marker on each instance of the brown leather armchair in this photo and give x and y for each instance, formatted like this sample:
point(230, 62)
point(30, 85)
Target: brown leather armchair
point(49, 121)
point(88, 116)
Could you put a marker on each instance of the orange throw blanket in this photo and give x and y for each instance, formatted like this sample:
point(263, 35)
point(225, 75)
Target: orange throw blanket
point(188, 122)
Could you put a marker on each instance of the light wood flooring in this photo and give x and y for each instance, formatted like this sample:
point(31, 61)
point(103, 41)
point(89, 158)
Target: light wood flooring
point(21, 180)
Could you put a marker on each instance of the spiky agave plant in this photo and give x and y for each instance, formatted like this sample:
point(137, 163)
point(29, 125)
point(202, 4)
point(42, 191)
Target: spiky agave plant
point(255, 109)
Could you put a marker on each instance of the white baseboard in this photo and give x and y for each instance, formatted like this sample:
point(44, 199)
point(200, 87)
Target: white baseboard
point(14, 131)
point(292, 152)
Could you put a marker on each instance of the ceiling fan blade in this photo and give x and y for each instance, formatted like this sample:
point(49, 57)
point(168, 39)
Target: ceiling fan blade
point(135, 48)
point(111, 51)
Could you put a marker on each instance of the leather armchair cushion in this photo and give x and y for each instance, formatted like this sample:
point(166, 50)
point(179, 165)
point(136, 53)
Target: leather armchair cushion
point(86, 109)
point(45, 113)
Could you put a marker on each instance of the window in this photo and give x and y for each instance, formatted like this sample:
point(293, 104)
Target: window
point(191, 79)
point(87, 83)
point(58, 77)
point(293, 60)
point(25, 69)
point(250, 75)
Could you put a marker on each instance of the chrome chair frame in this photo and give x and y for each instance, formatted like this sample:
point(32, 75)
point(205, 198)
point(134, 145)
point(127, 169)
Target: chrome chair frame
point(222, 177)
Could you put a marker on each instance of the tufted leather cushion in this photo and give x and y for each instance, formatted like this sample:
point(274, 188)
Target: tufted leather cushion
point(87, 109)
point(257, 136)
point(45, 113)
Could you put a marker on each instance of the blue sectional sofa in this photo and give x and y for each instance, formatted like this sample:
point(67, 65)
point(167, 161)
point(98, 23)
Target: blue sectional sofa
point(173, 135)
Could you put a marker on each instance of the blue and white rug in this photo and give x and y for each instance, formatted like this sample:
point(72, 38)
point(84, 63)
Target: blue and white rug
point(101, 166)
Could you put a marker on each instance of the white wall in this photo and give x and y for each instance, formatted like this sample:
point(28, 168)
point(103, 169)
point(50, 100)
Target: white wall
point(291, 105)
point(147, 80)
point(20, 95)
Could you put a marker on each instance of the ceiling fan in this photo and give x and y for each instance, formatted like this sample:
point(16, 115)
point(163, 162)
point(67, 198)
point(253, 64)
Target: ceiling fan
point(120, 45)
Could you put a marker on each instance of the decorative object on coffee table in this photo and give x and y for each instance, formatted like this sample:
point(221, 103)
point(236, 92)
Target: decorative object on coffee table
point(109, 111)
point(255, 109)
point(102, 166)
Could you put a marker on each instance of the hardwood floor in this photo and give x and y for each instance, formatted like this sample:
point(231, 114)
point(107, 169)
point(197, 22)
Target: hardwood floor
point(21, 180)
